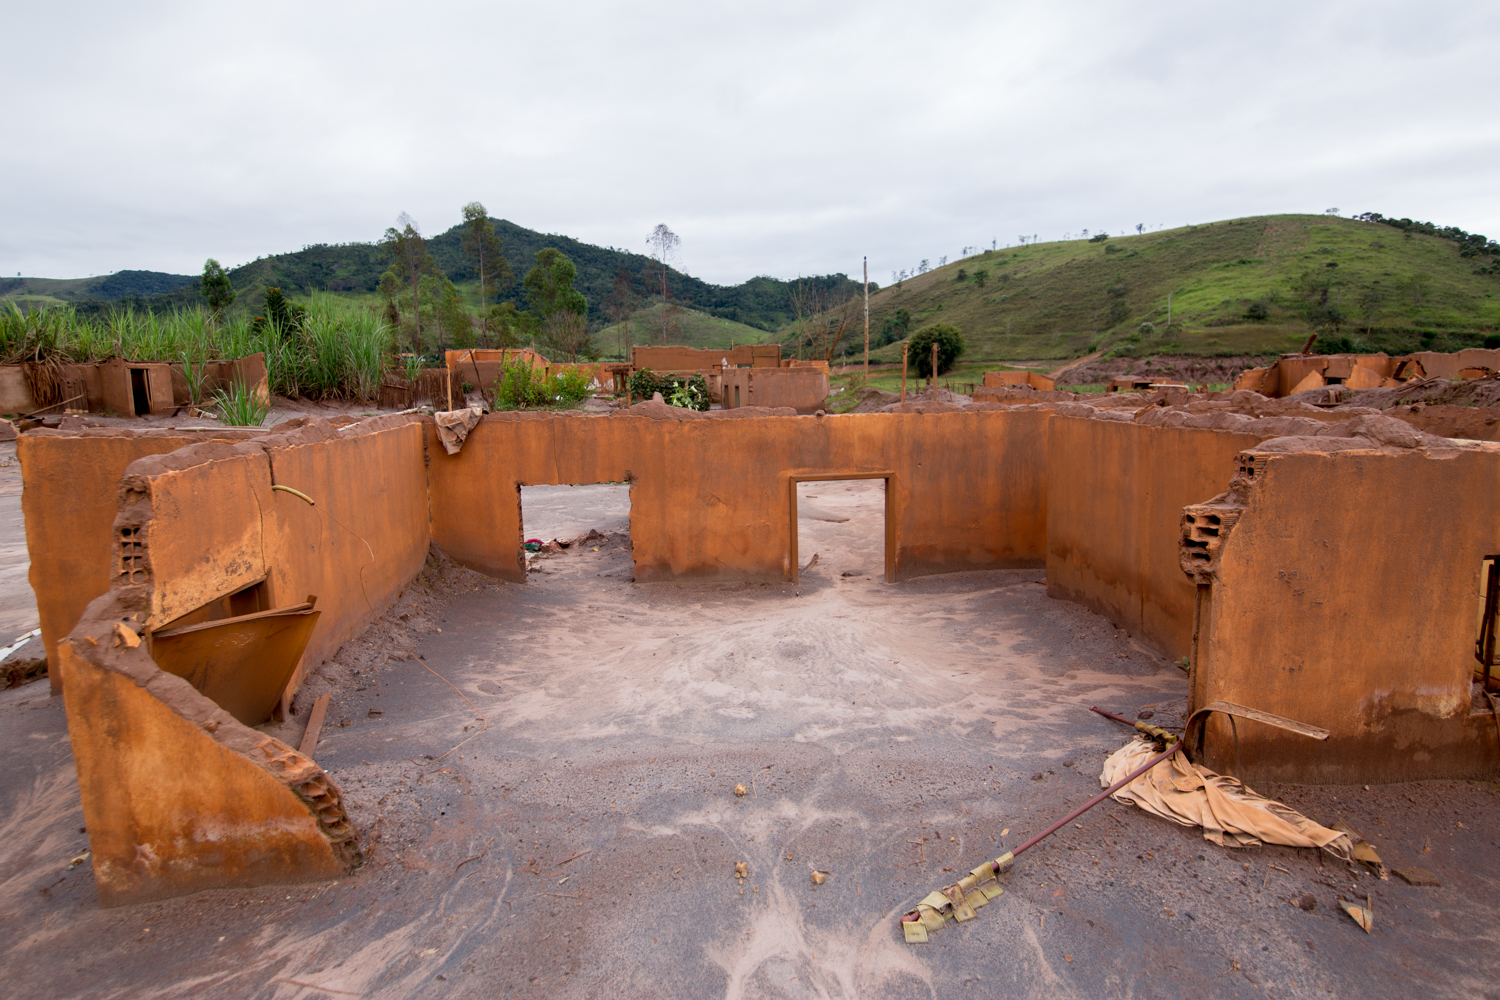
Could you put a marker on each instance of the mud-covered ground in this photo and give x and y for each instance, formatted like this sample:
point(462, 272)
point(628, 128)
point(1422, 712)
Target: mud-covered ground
point(582, 842)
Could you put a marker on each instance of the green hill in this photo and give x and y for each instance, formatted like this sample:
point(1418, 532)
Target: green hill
point(761, 302)
point(690, 328)
point(1246, 286)
point(40, 292)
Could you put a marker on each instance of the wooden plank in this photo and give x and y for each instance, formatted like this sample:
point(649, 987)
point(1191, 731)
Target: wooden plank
point(314, 726)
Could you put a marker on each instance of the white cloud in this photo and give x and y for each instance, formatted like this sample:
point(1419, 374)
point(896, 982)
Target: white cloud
point(775, 138)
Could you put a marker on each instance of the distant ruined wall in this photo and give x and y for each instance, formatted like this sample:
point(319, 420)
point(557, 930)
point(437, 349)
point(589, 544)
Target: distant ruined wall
point(710, 495)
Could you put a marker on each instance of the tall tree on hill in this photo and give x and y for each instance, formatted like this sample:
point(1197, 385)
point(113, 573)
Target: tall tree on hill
point(216, 288)
point(407, 251)
point(483, 248)
point(664, 244)
point(618, 308)
point(824, 316)
point(564, 310)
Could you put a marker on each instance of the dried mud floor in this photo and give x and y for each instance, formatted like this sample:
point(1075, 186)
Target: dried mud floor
point(583, 843)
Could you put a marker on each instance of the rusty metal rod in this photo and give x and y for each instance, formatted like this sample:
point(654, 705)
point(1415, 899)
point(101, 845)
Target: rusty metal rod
point(1091, 803)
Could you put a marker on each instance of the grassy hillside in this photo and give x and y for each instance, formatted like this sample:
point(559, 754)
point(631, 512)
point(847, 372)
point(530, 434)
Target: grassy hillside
point(692, 329)
point(1363, 285)
point(353, 268)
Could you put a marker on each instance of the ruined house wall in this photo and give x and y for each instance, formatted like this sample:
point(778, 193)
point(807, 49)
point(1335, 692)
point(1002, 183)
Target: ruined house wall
point(69, 490)
point(803, 389)
point(1341, 588)
point(710, 494)
point(1116, 489)
point(211, 524)
point(178, 796)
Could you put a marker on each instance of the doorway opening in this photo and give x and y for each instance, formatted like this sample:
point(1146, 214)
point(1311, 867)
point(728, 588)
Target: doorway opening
point(140, 395)
point(591, 519)
point(841, 527)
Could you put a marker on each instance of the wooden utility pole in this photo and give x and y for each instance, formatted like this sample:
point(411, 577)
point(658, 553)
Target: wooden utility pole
point(867, 317)
point(904, 349)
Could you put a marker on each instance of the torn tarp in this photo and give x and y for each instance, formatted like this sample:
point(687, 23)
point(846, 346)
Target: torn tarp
point(1230, 814)
point(454, 425)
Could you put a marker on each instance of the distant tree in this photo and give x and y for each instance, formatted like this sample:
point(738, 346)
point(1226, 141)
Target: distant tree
point(962, 275)
point(454, 318)
point(1140, 227)
point(280, 314)
point(894, 327)
point(619, 306)
point(215, 287)
point(483, 248)
point(1098, 237)
point(824, 316)
point(943, 261)
point(391, 288)
point(981, 276)
point(407, 251)
point(923, 268)
point(549, 285)
point(510, 326)
point(950, 345)
point(664, 244)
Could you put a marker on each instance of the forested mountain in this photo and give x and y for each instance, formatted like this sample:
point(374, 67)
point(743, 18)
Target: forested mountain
point(761, 302)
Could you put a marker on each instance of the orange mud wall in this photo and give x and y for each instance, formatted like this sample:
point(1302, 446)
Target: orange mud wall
point(1115, 495)
point(1342, 590)
point(710, 495)
point(211, 524)
point(177, 795)
point(70, 482)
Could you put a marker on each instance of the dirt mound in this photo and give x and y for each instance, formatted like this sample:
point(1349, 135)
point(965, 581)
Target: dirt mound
point(1164, 368)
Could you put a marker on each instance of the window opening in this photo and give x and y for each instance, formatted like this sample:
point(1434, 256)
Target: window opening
point(590, 520)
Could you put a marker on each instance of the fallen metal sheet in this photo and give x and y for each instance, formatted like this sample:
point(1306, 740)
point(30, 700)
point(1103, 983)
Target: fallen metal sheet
point(244, 663)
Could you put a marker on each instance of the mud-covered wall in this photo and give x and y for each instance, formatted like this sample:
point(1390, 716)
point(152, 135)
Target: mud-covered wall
point(710, 495)
point(210, 522)
point(177, 795)
point(1116, 489)
point(1342, 590)
point(69, 498)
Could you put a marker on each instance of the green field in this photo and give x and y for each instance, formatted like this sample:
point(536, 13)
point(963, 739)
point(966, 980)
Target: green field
point(1363, 285)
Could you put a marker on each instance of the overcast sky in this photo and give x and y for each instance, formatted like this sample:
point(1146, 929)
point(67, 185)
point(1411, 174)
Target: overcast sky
point(774, 138)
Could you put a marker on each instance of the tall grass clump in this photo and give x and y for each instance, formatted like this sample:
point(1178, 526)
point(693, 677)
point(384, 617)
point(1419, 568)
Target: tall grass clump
point(338, 349)
point(240, 406)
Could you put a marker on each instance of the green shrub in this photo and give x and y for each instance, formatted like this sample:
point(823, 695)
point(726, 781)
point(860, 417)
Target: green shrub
point(1257, 310)
point(950, 345)
point(689, 392)
point(523, 386)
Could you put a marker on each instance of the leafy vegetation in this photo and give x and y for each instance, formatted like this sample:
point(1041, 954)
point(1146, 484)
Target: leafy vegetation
point(950, 344)
point(689, 392)
point(523, 386)
point(338, 348)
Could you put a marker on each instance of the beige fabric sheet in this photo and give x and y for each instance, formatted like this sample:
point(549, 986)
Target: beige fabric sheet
point(1230, 814)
